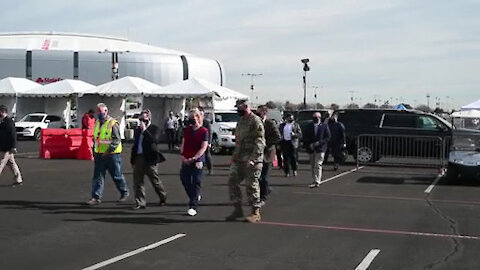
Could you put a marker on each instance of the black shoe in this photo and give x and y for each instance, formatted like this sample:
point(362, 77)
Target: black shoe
point(138, 207)
point(163, 202)
point(123, 198)
point(335, 167)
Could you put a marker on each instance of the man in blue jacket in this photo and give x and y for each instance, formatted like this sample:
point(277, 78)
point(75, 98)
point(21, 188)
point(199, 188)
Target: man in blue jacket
point(315, 138)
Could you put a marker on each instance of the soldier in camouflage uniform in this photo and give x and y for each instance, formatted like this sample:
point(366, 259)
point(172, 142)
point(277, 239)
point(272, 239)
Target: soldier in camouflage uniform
point(247, 161)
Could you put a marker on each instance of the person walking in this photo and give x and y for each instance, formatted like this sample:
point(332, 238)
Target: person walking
point(144, 160)
point(291, 136)
point(88, 120)
point(107, 156)
point(316, 139)
point(337, 141)
point(171, 125)
point(272, 138)
point(193, 147)
point(8, 146)
point(208, 156)
point(247, 159)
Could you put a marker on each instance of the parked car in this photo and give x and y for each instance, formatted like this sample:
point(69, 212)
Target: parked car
point(32, 124)
point(464, 156)
point(390, 122)
point(223, 130)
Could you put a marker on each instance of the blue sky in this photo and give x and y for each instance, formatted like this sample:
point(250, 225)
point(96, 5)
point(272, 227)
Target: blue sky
point(384, 49)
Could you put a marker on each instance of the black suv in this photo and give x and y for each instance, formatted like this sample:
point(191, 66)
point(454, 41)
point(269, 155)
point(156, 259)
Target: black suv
point(304, 117)
point(390, 122)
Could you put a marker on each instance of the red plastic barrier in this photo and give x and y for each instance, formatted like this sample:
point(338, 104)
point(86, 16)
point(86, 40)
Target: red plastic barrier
point(61, 143)
point(85, 151)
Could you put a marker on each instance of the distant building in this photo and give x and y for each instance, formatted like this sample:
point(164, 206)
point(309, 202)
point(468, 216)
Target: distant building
point(49, 57)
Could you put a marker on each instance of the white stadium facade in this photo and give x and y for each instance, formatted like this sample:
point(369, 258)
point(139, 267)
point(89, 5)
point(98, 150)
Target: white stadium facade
point(48, 57)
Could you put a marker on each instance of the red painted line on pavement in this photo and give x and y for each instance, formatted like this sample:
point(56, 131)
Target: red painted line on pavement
point(388, 197)
point(354, 229)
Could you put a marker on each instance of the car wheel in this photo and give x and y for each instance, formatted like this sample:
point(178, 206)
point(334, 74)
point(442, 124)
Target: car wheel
point(37, 134)
point(216, 148)
point(365, 154)
point(452, 174)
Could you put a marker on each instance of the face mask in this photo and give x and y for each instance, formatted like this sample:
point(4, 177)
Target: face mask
point(101, 116)
point(316, 120)
point(146, 121)
point(190, 121)
point(290, 120)
point(241, 112)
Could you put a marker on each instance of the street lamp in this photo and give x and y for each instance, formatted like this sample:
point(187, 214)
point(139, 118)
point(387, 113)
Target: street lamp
point(428, 100)
point(305, 69)
point(315, 94)
point(114, 62)
point(251, 82)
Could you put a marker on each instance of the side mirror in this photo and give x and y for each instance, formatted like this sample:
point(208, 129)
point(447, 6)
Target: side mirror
point(47, 121)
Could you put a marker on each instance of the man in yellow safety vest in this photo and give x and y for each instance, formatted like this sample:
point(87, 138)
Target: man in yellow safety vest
point(107, 156)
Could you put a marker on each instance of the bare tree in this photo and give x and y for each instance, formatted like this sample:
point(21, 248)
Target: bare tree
point(370, 106)
point(271, 105)
point(352, 106)
point(334, 106)
point(423, 108)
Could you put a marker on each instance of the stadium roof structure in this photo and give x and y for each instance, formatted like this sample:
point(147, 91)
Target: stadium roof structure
point(59, 41)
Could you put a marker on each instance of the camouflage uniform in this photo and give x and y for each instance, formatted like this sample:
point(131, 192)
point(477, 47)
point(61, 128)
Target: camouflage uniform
point(250, 143)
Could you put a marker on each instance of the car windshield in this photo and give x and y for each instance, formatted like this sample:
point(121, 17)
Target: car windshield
point(465, 140)
point(226, 117)
point(32, 118)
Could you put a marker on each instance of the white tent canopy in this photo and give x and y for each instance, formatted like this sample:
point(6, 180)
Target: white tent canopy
point(10, 86)
point(195, 88)
point(63, 88)
point(467, 114)
point(124, 87)
point(472, 106)
point(54, 98)
point(113, 94)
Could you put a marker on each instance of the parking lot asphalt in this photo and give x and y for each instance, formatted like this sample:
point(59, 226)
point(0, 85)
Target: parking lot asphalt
point(45, 224)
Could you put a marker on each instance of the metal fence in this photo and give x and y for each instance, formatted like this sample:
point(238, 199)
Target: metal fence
point(402, 150)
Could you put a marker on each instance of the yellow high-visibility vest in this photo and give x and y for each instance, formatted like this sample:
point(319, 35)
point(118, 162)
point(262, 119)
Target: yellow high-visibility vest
point(103, 136)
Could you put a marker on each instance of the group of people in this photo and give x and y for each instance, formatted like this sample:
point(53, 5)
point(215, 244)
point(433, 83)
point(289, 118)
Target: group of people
point(257, 139)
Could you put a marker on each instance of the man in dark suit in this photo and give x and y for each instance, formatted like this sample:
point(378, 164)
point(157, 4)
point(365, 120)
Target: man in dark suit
point(291, 134)
point(8, 144)
point(272, 138)
point(316, 139)
point(144, 159)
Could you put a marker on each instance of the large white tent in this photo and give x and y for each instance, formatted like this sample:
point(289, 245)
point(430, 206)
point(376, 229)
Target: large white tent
point(54, 98)
point(114, 94)
point(10, 86)
point(472, 106)
point(171, 98)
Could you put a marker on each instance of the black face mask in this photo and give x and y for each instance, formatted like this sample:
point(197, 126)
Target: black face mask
point(290, 120)
point(241, 112)
point(190, 121)
point(146, 121)
point(316, 120)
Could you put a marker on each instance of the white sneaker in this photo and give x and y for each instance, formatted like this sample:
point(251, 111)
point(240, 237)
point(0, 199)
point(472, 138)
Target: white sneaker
point(314, 185)
point(199, 198)
point(191, 212)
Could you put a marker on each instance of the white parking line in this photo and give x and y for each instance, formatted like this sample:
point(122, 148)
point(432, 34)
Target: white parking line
point(368, 259)
point(430, 188)
point(134, 252)
point(340, 175)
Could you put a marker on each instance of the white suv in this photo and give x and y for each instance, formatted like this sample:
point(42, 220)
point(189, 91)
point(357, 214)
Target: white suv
point(31, 124)
point(223, 130)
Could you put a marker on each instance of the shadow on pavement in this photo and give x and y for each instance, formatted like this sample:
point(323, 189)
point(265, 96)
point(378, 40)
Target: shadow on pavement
point(417, 180)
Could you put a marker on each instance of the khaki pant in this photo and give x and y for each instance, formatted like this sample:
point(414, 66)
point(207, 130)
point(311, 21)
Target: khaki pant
point(7, 159)
point(140, 169)
point(240, 171)
point(316, 160)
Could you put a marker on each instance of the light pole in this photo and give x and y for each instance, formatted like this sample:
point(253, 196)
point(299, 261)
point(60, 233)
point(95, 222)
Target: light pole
point(351, 95)
point(315, 94)
point(305, 69)
point(428, 100)
point(114, 61)
point(251, 82)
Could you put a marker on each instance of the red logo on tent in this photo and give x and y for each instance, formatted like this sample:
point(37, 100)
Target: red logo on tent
point(47, 80)
point(46, 44)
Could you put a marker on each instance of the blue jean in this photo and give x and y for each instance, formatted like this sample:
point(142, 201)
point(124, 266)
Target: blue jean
point(191, 179)
point(112, 163)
